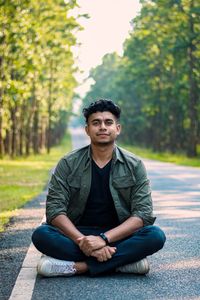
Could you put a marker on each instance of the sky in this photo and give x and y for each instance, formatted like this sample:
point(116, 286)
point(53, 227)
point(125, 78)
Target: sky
point(104, 32)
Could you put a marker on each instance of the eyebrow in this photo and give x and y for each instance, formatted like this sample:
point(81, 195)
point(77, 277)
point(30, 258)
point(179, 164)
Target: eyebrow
point(101, 120)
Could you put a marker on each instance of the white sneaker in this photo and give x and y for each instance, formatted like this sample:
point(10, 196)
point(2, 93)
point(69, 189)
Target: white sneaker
point(139, 267)
point(49, 267)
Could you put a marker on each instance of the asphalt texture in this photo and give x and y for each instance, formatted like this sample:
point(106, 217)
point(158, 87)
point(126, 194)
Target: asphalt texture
point(175, 270)
point(15, 241)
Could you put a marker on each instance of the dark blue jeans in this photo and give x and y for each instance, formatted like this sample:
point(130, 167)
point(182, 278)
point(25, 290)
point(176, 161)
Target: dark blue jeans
point(146, 241)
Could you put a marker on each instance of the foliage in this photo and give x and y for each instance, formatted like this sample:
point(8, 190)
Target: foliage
point(36, 73)
point(157, 80)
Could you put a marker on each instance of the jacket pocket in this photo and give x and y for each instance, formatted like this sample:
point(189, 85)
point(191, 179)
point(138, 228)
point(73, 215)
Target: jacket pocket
point(74, 181)
point(123, 182)
point(74, 187)
point(124, 185)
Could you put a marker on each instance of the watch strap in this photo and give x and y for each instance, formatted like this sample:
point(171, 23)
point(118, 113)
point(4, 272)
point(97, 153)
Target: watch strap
point(104, 237)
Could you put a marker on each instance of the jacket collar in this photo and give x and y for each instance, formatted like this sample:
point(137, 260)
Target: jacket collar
point(116, 154)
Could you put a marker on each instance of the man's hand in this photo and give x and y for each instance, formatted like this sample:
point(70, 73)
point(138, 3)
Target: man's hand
point(89, 243)
point(104, 253)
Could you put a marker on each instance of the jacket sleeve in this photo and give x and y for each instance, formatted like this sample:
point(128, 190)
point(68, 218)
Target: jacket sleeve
point(141, 202)
point(58, 192)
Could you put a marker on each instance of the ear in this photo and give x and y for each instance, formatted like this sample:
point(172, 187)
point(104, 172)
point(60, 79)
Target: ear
point(118, 129)
point(86, 129)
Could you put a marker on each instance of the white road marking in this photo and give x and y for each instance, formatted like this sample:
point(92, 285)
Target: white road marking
point(24, 285)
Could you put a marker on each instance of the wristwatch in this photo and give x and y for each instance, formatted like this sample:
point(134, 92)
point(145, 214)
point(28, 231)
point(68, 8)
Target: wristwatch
point(104, 237)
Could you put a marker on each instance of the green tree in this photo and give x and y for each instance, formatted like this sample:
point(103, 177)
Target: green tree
point(157, 80)
point(37, 73)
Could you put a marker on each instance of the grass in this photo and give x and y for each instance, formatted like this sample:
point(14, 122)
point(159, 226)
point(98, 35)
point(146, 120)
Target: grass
point(179, 159)
point(24, 178)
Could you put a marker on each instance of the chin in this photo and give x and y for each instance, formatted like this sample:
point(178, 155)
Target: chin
point(104, 143)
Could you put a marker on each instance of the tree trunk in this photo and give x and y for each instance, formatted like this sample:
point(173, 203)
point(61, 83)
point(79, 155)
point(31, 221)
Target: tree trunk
point(49, 129)
point(22, 130)
point(14, 140)
point(31, 123)
point(43, 134)
point(36, 130)
point(21, 140)
point(1, 110)
point(7, 142)
point(28, 139)
point(193, 95)
point(2, 78)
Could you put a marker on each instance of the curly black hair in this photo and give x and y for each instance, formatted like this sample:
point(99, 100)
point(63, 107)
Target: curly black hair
point(101, 105)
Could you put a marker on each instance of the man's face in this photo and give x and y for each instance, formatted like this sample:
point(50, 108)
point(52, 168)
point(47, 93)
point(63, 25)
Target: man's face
point(102, 128)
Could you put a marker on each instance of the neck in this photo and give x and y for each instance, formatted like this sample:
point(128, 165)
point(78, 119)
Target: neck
point(102, 155)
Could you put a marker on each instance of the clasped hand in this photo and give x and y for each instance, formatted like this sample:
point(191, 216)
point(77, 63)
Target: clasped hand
point(95, 246)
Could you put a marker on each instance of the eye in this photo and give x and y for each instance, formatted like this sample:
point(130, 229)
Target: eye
point(95, 123)
point(109, 122)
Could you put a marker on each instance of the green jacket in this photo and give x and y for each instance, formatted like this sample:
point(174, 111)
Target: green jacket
point(69, 186)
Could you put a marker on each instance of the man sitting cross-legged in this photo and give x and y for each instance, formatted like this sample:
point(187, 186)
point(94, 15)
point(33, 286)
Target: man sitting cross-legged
point(99, 206)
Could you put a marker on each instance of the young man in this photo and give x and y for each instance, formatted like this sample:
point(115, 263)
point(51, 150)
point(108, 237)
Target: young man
point(99, 206)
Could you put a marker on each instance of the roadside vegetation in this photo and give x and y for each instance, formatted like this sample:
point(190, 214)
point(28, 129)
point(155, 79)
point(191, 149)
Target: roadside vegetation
point(179, 159)
point(37, 74)
point(156, 81)
point(24, 178)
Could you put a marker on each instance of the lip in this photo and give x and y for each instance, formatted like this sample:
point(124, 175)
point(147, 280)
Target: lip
point(103, 134)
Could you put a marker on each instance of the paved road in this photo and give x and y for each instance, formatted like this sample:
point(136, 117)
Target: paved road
point(175, 270)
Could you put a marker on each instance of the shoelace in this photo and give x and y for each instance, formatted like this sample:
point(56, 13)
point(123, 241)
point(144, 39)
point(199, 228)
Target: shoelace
point(63, 268)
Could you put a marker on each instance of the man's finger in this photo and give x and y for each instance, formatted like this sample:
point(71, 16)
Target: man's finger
point(108, 254)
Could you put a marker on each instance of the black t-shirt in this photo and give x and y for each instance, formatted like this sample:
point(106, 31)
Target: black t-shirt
point(100, 210)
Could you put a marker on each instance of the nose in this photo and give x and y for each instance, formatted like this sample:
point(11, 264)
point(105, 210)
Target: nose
point(103, 126)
